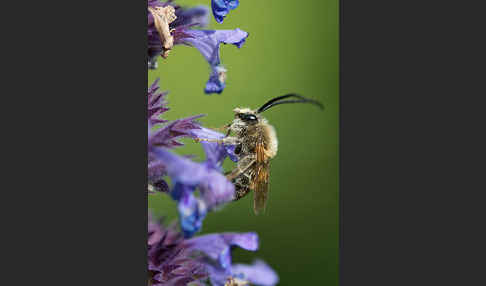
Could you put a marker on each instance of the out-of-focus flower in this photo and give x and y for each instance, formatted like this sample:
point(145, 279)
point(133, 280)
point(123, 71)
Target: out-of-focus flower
point(169, 261)
point(186, 176)
point(221, 8)
point(217, 259)
point(166, 134)
point(173, 260)
point(156, 103)
point(208, 42)
point(258, 273)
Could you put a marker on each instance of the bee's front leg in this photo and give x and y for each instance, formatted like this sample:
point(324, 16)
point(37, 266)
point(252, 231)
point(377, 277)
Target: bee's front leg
point(230, 140)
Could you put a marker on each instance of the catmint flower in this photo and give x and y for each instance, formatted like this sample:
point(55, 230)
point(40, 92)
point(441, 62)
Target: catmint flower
point(218, 262)
point(208, 42)
point(166, 134)
point(187, 176)
point(221, 8)
point(170, 25)
point(169, 261)
point(174, 260)
point(156, 103)
point(166, 22)
point(215, 153)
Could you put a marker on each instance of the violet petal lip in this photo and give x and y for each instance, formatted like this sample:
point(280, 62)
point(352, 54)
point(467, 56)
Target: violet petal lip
point(208, 43)
point(258, 273)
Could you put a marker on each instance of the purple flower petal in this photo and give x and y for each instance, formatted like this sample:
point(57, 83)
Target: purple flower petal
point(221, 8)
point(218, 246)
point(207, 42)
point(215, 153)
point(191, 213)
point(169, 263)
point(156, 103)
point(216, 189)
point(259, 273)
point(167, 135)
point(180, 169)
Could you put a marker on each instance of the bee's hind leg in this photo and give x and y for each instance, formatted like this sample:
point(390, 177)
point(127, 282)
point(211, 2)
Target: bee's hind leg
point(243, 164)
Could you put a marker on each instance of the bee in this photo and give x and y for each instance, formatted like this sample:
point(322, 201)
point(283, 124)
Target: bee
point(256, 143)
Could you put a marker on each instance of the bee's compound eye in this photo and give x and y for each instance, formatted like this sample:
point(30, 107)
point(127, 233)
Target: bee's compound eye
point(247, 117)
point(251, 117)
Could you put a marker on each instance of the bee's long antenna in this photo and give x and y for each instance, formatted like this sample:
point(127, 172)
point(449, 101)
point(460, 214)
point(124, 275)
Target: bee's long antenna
point(278, 100)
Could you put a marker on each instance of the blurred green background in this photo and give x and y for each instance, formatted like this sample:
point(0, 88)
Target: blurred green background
point(292, 47)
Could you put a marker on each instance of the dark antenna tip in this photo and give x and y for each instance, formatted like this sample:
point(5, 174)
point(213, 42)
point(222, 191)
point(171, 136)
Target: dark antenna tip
point(280, 100)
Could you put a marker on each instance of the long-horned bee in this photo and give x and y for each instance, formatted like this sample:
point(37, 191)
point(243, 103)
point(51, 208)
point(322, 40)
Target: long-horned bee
point(256, 144)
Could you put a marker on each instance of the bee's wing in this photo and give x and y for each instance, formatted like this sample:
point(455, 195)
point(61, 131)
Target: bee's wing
point(260, 178)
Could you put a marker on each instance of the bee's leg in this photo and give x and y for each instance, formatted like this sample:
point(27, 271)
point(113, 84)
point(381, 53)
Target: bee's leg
point(243, 165)
point(227, 140)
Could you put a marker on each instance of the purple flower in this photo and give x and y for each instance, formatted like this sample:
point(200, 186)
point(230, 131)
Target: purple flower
point(166, 134)
point(187, 175)
point(218, 246)
point(207, 42)
point(156, 103)
point(221, 8)
point(169, 261)
point(259, 273)
point(166, 23)
point(171, 25)
point(172, 260)
point(217, 259)
point(215, 153)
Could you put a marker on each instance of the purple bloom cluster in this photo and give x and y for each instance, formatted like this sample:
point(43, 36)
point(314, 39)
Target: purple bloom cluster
point(178, 257)
point(186, 175)
point(170, 25)
point(169, 262)
point(174, 260)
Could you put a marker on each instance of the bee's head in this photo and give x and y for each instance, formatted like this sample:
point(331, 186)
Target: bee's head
point(246, 116)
